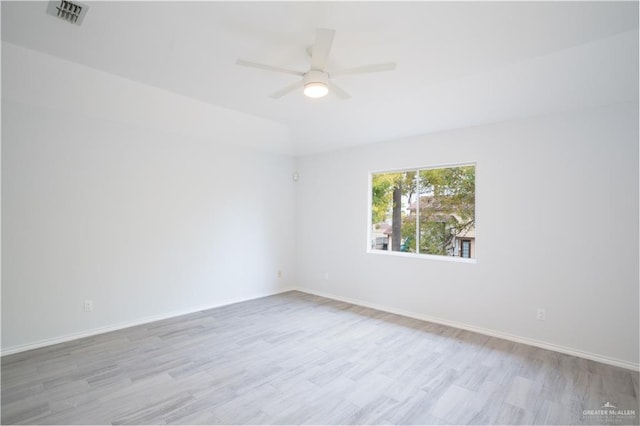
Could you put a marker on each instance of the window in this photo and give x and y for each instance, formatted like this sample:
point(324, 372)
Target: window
point(465, 250)
point(428, 211)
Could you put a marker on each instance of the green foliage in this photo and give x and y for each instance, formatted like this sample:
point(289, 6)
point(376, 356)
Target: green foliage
point(434, 237)
point(408, 234)
point(382, 189)
point(382, 186)
point(455, 185)
point(453, 192)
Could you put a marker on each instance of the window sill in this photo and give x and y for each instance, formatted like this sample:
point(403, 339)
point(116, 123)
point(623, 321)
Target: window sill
point(422, 256)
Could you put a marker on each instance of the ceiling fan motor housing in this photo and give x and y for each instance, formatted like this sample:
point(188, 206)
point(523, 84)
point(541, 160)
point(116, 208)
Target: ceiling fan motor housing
point(315, 76)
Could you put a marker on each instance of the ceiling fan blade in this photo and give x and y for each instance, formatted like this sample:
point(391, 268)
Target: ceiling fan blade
point(321, 48)
point(389, 66)
point(288, 89)
point(267, 67)
point(338, 91)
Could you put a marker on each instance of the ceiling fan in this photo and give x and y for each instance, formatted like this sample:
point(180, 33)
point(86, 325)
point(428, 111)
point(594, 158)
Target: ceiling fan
point(317, 80)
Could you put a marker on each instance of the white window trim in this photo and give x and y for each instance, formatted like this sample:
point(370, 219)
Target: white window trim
point(456, 259)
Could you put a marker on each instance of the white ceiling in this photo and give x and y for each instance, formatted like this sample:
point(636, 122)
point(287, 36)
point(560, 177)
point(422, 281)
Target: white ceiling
point(459, 63)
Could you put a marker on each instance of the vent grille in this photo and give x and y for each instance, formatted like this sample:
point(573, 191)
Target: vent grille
point(70, 11)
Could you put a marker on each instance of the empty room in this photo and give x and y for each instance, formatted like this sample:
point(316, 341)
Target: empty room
point(320, 213)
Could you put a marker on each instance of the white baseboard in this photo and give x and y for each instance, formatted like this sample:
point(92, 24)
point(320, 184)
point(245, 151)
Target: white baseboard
point(486, 331)
point(100, 330)
point(422, 317)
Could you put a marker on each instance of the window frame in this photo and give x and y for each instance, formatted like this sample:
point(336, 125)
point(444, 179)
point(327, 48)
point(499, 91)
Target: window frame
point(426, 256)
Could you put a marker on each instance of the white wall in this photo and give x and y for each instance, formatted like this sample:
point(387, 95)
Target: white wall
point(149, 203)
point(145, 202)
point(557, 226)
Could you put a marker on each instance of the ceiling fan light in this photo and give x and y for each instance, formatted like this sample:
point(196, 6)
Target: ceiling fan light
point(316, 89)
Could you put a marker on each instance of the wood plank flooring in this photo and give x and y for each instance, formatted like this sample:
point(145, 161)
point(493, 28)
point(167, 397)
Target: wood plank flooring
point(295, 358)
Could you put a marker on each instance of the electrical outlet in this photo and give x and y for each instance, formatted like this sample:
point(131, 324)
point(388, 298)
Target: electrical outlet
point(542, 314)
point(88, 305)
point(279, 273)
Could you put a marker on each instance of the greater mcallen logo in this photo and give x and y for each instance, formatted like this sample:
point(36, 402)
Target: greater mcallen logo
point(609, 409)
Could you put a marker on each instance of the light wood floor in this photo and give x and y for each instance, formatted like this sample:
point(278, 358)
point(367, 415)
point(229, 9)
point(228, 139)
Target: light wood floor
point(301, 359)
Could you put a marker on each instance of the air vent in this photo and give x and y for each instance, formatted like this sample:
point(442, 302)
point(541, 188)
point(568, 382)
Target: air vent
point(70, 11)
